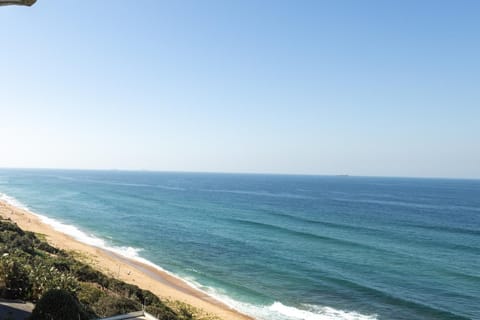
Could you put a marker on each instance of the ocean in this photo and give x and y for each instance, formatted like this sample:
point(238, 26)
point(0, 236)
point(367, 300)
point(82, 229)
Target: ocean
point(280, 247)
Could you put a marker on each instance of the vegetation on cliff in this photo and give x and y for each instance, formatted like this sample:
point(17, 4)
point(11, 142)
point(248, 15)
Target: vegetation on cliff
point(31, 269)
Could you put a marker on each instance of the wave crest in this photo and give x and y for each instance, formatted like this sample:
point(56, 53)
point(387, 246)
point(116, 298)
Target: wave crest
point(314, 312)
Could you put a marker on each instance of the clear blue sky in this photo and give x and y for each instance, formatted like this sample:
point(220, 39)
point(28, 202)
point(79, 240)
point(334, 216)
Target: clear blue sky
point(320, 87)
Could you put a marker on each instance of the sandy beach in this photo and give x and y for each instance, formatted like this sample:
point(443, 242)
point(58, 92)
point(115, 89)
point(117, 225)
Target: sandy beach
point(130, 271)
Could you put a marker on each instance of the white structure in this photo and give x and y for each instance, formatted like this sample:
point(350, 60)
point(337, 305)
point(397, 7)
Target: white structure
point(140, 315)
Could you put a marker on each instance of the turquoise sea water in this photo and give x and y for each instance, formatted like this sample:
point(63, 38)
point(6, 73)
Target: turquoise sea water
point(281, 247)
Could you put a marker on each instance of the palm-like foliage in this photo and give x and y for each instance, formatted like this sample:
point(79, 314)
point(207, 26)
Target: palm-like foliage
point(17, 2)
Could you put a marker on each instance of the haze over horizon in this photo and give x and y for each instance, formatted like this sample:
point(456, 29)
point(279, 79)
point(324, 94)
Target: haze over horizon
point(309, 87)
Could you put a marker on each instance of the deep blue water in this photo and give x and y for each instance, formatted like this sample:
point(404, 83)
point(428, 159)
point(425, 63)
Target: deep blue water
point(283, 247)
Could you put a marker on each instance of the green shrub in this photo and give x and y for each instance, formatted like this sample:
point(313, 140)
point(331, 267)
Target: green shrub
point(31, 269)
point(89, 294)
point(162, 312)
point(8, 225)
point(108, 306)
point(84, 272)
point(44, 278)
point(14, 281)
point(46, 247)
point(58, 305)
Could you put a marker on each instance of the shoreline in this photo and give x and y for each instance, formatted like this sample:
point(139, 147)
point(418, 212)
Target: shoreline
point(145, 276)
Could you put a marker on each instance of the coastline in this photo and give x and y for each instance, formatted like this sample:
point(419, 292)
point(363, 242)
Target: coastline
point(161, 283)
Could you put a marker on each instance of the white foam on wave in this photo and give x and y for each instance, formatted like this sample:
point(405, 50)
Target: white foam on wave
point(12, 201)
point(89, 239)
point(279, 311)
point(314, 312)
point(275, 311)
point(74, 232)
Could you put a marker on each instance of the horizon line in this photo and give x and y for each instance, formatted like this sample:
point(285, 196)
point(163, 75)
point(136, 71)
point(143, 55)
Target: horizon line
point(344, 175)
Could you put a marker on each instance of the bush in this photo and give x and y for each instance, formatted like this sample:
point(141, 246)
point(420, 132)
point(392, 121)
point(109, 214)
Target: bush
point(84, 272)
point(89, 294)
point(31, 269)
point(14, 281)
point(47, 248)
point(44, 278)
point(16, 240)
point(7, 225)
point(162, 312)
point(108, 306)
point(58, 305)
